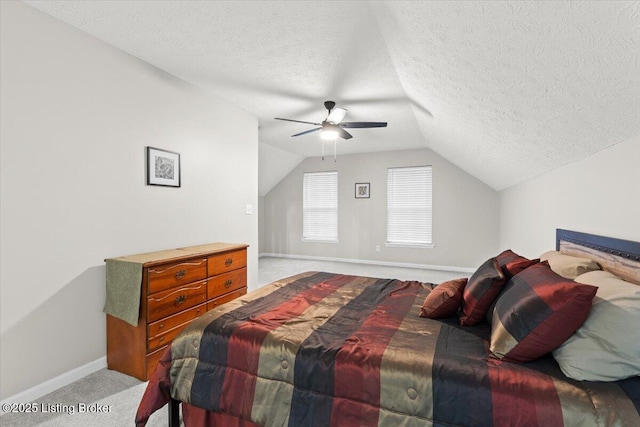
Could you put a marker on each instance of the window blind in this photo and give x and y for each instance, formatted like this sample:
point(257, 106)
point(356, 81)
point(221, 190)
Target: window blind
point(320, 206)
point(409, 203)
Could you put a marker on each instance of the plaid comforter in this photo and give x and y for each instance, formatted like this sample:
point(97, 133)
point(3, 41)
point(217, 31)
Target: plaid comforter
point(322, 349)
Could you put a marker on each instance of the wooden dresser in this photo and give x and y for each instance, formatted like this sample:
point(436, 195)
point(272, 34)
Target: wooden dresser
point(177, 286)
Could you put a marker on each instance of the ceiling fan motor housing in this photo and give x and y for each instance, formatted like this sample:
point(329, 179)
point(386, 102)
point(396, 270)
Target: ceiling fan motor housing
point(329, 105)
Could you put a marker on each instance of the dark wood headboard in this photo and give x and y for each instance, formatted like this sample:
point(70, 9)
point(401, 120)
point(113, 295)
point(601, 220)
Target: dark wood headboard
point(620, 257)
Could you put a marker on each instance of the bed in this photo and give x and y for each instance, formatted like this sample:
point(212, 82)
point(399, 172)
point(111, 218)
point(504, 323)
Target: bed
point(323, 349)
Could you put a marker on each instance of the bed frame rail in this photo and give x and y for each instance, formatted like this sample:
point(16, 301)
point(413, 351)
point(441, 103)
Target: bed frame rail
point(174, 413)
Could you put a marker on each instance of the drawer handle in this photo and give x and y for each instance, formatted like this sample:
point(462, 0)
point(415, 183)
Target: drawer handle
point(180, 299)
point(228, 283)
point(228, 262)
point(180, 274)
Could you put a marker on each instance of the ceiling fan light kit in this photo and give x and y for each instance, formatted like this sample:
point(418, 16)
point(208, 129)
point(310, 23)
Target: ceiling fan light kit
point(329, 134)
point(333, 127)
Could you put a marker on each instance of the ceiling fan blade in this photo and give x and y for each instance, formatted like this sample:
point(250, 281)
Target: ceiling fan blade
point(306, 132)
point(344, 134)
point(363, 125)
point(336, 115)
point(298, 121)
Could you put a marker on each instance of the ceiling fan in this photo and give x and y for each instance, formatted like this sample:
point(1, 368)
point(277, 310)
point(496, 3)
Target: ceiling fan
point(333, 127)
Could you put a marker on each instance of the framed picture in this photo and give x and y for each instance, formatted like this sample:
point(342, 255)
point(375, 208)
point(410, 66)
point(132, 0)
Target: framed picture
point(362, 190)
point(163, 167)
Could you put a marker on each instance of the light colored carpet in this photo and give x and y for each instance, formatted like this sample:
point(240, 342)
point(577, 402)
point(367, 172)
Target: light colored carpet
point(120, 394)
point(75, 405)
point(272, 269)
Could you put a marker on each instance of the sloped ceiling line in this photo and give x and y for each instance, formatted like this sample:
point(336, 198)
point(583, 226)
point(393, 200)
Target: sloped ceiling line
point(506, 90)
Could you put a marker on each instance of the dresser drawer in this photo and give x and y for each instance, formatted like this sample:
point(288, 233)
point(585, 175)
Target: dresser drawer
point(167, 276)
point(226, 298)
point(163, 325)
point(153, 359)
point(166, 338)
point(171, 301)
point(227, 261)
point(227, 282)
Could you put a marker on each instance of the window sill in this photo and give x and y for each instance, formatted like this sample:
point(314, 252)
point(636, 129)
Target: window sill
point(319, 241)
point(410, 245)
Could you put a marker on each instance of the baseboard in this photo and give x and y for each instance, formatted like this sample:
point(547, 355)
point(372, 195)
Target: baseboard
point(372, 262)
point(53, 384)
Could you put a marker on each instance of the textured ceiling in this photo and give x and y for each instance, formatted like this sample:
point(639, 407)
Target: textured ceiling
point(505, 90)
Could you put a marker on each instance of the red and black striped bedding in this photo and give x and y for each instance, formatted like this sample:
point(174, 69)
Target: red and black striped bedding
point(322, 349)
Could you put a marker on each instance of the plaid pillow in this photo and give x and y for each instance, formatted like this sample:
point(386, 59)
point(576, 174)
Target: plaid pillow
point(481, 290)
point(511, 263)
point(444, 300)
point(536, 313)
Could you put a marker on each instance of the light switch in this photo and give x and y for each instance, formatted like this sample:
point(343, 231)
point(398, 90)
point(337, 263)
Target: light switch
point(249, 210)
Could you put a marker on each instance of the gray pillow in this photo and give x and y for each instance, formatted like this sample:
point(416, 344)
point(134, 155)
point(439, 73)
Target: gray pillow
point(607, 346)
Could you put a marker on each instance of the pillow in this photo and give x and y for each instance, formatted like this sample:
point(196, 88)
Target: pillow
point(607, 345)
point(536, 313)
point(568, 266)
point(444, 300)
point(481, 290)
point(511, 263)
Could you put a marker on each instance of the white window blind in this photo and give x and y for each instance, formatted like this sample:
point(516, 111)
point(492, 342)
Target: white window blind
point(409, 206)
point(320, 206)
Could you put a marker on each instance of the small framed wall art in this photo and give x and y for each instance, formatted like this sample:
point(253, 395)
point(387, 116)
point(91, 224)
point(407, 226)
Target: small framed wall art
point(163, 167)
point(362, 190)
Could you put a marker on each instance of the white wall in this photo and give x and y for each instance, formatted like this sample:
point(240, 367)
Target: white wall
point(465, 211)
point(273, 165)
point(599, 195)
point(76, 115)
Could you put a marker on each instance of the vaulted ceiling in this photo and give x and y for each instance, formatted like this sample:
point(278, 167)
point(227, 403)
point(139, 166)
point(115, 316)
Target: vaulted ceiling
point(506, 90)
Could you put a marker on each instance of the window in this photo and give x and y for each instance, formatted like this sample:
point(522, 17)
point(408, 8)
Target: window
point(320, 206)
point(409, 206)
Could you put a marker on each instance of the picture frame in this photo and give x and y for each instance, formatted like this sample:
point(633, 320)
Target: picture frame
point(163, 167)
point(362, 190)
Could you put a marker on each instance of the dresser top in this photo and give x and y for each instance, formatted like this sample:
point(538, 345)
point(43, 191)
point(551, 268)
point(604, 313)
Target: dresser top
point(152, 258)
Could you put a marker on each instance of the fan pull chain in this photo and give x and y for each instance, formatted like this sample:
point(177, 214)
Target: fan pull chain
point(323, 149)
point(335, 149)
